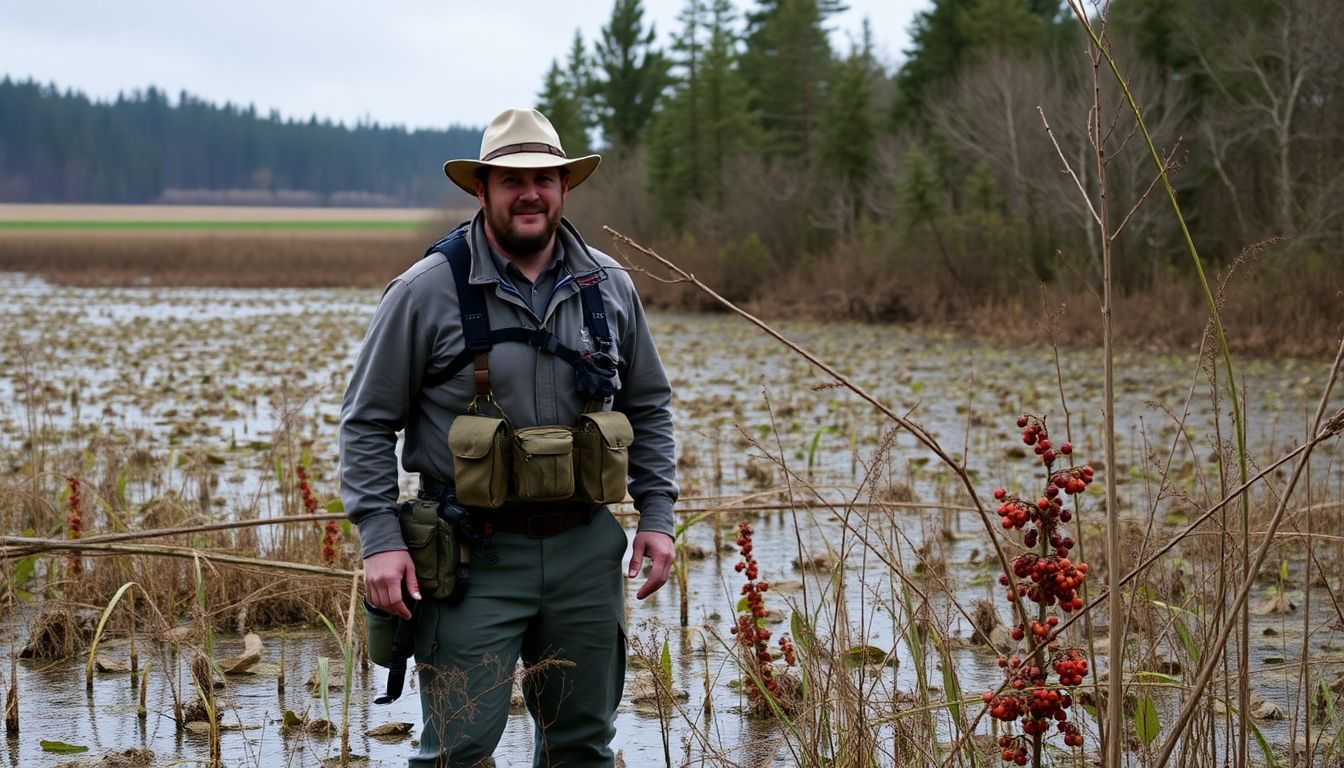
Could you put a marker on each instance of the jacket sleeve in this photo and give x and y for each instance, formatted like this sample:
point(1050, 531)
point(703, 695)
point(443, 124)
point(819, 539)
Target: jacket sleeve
point(377, 404)
point(646, 399)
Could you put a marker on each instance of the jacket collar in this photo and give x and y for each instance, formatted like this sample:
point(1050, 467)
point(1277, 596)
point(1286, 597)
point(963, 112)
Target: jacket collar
point(580, 262)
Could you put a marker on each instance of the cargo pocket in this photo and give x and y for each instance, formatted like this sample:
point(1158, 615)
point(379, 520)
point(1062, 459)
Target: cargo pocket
point(602, 456)
point(543, 463)
point(479, 445)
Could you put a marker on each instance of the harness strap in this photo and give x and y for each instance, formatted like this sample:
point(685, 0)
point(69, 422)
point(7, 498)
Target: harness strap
point(476, 320)
point(595, 314)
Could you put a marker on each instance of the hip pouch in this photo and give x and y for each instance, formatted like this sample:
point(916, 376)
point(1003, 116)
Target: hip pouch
point(543, 463)
point(380, 629)
point(438, 549)
point(481, 454)
point(601, 456)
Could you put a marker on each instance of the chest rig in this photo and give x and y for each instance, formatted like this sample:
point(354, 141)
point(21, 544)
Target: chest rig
point(495, 464)
point(480, 337)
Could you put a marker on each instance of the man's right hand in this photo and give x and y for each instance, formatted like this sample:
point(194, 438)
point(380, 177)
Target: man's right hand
point(384, 573)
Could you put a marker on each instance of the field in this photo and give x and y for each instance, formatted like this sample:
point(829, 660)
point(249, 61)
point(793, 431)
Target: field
point(215, 246)
point(187, 412)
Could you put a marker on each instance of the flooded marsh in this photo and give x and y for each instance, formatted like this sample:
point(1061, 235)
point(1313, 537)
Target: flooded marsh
point(125, 409)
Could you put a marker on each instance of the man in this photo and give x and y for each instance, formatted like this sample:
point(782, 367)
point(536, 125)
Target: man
point(544, 586)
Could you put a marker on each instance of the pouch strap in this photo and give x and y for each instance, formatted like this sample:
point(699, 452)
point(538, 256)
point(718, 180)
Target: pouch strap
point(403, 645)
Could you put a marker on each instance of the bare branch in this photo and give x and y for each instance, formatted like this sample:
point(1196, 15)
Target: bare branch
point(1068, 168)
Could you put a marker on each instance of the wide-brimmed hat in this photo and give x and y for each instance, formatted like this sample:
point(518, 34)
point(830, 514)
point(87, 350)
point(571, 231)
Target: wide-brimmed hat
point(520, 138)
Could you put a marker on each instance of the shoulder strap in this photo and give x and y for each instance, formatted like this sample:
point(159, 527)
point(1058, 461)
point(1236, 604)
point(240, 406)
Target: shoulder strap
point(471, 304)
point(476, 320)
point(595, 314)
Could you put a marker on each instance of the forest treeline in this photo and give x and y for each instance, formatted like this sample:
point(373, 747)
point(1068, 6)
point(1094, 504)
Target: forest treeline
point(61, 146)
point(801, 176)
point(784, 171)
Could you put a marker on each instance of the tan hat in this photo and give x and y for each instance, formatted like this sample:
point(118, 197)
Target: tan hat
point(520, 138)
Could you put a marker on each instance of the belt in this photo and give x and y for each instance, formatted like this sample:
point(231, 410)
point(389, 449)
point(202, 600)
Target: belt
point(540, 524)
point(537, 519)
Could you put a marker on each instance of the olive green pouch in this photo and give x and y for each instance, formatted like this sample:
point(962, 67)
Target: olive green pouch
point(380, 629)
point(433, 546)
point(543, 463)
point(601, 456)
point(480, 448)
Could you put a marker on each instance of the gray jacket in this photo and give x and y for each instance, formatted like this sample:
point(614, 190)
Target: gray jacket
point(417, 327)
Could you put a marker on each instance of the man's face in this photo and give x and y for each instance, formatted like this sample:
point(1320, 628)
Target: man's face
point(522, 207)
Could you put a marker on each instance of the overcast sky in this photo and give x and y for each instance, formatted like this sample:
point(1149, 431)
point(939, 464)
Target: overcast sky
point(412, 62)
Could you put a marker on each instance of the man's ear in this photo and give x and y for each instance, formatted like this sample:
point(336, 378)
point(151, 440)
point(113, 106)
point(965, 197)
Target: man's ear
point(480, 191)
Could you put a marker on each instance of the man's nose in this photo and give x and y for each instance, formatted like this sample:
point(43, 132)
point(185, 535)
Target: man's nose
point(529, 191)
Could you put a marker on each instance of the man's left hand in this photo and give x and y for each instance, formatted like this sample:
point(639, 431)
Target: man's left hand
point(657, 547)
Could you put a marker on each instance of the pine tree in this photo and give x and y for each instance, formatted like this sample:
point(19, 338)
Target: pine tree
point(633, 75)
point(564, 100)
point(849, 132)
point(787, 65)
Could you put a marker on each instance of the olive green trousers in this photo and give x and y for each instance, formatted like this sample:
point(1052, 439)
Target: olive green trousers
point(557, 603)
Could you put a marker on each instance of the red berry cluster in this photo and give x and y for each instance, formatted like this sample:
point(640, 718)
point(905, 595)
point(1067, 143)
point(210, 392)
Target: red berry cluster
point(306, 491)
point(1046, 576)
point(751, 633)
point(331, 532)
point(330, 538)
point(1071, 666)
point(1054, 579)
point(74, 525)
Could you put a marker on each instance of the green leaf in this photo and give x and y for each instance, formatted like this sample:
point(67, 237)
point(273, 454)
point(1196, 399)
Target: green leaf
point(802, 632)
point(306, 457)
point(291, 719)
point(279, 473)
point(23, 571)
point(666, 667)
point(122, 476)
point(1265, 750)
point(1146, 724)
point(61, 748)
point(864, 654)
point(1191, 647)
point(335, 507)
point(686, 524)
point(102, 622)
point(816, 441)
point(951, 687)
point(323, 681)
point(742, 606)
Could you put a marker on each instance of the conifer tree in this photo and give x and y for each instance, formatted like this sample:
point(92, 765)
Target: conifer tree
point(849, 132)
point(632, 75)
point(564, 99)
point(703, 123)
point(787, 65)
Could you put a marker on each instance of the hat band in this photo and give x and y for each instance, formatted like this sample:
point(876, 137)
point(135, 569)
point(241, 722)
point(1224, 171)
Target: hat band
point(527, 146)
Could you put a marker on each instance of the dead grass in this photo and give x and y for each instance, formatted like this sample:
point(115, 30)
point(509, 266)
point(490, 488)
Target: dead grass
point(231, 259)
point(72, 212)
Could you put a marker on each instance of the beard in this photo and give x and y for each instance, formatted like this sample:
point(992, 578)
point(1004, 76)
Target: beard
point(514, 240)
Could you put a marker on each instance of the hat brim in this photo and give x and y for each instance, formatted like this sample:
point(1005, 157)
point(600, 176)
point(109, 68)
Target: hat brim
point(463, 172)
